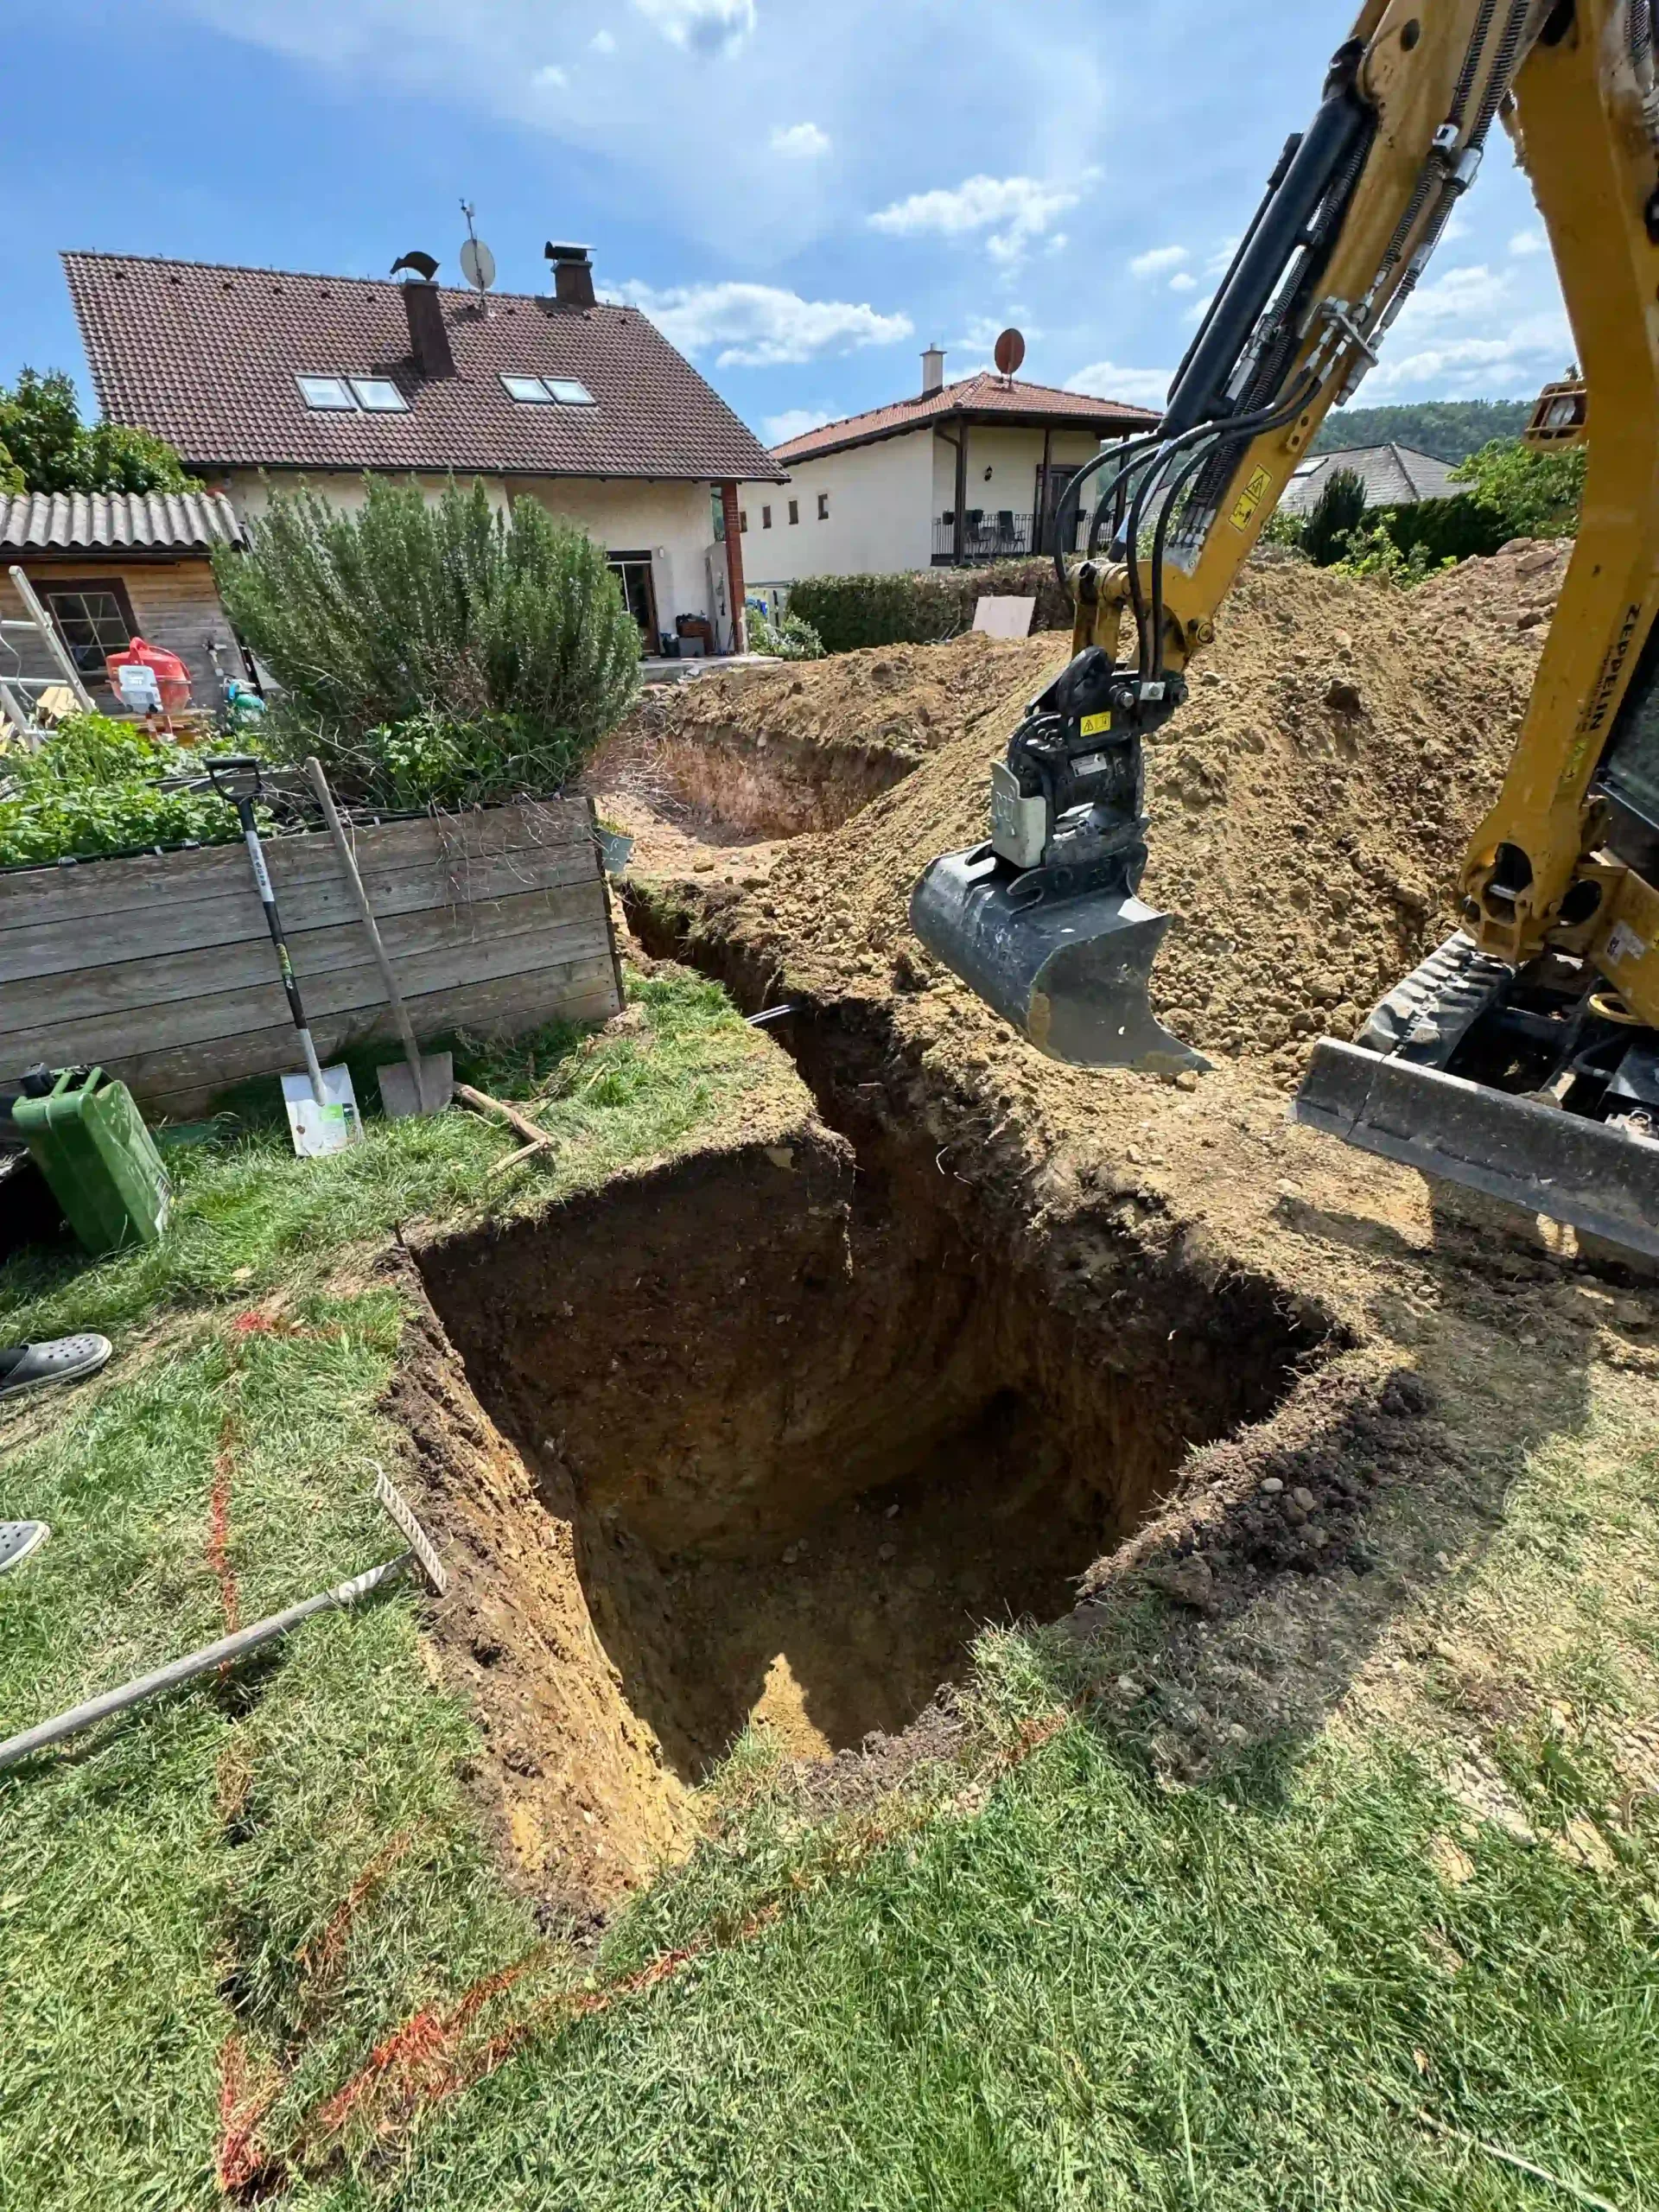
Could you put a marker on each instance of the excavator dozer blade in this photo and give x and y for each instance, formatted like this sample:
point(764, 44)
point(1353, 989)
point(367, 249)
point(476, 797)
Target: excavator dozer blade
point(1069, 974)
point(1565, 1166)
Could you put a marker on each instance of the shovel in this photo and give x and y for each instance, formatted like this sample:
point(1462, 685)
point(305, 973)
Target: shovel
point(322, 1115)
point(424, 1084)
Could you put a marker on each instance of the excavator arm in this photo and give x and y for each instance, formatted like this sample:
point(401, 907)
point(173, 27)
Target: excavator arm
point(1521, 1056)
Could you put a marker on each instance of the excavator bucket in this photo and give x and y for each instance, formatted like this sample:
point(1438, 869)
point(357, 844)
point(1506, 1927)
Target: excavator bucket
point(1069, 974)
point(1599, 1177)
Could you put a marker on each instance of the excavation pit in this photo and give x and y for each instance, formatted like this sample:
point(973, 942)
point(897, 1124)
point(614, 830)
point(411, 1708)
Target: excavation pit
point(810, 1423)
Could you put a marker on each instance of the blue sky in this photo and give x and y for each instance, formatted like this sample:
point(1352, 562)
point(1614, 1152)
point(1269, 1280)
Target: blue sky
point(803, 192)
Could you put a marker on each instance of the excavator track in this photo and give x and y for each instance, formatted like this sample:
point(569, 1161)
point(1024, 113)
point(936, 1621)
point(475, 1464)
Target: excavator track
point(1389, 1093)
point(1425, 1018)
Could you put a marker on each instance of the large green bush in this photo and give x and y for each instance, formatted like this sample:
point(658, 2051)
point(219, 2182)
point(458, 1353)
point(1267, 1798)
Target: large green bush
point(1528, 491)
point(45, 446)
point(390, 626)
point(91, 789)
point(922, 609)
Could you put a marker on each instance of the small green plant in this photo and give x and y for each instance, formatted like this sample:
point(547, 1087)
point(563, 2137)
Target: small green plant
point(791, 637)
point(91, 788)
point(431, 760)
point(1376, 551)
point(433, 644)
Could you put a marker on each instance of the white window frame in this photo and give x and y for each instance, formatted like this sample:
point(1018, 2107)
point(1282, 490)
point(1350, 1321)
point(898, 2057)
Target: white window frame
point(395, 405)
point(346, 405)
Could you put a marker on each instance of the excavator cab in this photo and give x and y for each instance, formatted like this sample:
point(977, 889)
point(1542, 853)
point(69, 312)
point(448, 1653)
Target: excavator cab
point(1042, 920)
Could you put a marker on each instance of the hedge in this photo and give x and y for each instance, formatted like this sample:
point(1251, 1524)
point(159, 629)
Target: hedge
point(850, 611)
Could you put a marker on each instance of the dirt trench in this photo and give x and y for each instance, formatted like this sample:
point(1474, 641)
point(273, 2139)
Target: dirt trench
point(814, 1412)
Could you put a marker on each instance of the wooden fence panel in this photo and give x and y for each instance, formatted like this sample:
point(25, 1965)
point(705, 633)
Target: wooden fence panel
point(160, 968)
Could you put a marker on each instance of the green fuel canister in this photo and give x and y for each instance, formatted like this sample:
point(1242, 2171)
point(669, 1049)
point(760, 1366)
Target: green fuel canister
point(90, 1142)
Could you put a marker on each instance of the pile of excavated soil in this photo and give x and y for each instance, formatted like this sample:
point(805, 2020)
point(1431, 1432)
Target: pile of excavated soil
point(1516, 590)
point(803, 746)
point(1310, 807)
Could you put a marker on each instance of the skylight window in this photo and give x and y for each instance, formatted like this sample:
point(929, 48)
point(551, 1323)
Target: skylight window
point(547, 392)
point(378, 395)
point(329, 394)
point(346, 395)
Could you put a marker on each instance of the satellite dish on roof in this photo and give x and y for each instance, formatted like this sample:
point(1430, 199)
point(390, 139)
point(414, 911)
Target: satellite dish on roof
point(1010, 351)
point(477, 262)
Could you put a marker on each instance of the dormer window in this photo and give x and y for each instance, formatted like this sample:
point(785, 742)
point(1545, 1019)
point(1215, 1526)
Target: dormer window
point(350, 395)
point(547, 392)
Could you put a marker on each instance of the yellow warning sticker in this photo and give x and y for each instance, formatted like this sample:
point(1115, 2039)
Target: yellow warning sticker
point(1250, 499)
point(1094, 725)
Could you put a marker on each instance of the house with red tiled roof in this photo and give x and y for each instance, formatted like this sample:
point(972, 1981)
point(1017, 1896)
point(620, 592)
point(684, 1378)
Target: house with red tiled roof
point(961, 473)
point(263, 377)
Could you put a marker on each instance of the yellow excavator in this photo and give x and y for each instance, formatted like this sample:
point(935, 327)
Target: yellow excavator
point(1523, 1057)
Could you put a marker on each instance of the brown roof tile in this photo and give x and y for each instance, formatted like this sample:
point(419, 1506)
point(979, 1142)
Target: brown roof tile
point(1038, 404)
point(206, 357)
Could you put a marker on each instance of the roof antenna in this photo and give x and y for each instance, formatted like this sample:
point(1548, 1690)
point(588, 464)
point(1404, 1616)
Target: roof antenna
point(477, 262)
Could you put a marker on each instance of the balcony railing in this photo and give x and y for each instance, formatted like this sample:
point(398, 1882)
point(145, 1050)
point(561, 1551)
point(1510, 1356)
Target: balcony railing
point(990, 534)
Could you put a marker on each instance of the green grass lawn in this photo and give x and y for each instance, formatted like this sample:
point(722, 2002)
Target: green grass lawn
point(251, 1933)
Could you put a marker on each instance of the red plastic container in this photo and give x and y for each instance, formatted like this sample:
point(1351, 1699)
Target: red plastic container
point(172, 677)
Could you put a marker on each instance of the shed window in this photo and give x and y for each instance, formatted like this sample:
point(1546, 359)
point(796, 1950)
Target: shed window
point(823, 506)
point(765, 517)
point(794, 511)
point(330, 395)
point(742, 519)
point(94, 620)
point(378, 395)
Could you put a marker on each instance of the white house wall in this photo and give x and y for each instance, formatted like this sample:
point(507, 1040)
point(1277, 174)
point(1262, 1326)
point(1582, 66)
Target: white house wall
point(674, 522)
point(879, 522)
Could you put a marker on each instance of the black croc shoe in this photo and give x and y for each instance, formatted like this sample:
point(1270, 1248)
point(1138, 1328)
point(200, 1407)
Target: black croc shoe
point(65, 1359)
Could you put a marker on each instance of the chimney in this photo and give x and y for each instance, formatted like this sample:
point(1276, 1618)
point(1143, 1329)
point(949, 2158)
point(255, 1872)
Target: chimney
point(933, 371)
point(573, 274)
point(429, 340)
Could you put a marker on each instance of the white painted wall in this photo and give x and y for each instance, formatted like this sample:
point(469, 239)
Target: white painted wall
point(673, 521)
point(879, 522)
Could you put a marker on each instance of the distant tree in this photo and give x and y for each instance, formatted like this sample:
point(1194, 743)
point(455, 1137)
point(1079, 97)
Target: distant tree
point(1449, 428)
point(1334, 516)
point(46, 447)
point(1530, 493)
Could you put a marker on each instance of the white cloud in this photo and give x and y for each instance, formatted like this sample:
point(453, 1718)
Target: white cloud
point(1182, 280)
point(601, 42)
point(1021, 207)
point(793, 423)
point(1200, 308)
point(1058, 244)
point(1137, 387)
point(1457, 297)
point(1222, 259)
point(709, 27)
point(1516, 360)
point(551, 79)
point(801, 142)
point(1526, 242)
point(761, 326)
point(1157, 259)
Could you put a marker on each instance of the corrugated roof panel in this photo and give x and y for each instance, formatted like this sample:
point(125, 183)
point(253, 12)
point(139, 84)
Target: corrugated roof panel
point(116, 522)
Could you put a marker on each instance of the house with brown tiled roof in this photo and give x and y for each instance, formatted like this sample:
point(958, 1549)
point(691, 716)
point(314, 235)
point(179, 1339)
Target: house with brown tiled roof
point(263, 377)
point(960, 472)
